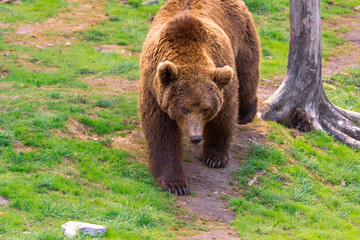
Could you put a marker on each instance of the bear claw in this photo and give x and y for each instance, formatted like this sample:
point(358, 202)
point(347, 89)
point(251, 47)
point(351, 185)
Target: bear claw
point(213, 163)
point(178, 190)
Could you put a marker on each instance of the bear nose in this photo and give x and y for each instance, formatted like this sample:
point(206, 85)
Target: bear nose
point(196, 139)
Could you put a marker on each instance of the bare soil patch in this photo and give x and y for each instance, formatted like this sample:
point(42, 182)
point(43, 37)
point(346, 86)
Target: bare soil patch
point(6, 86)
point(12, 97)
point(59, 29)
point(350, 57)
point(216, 234)
point(268, 86)
point(24, 61)
point(19, 147)
point(122, 50)
point(4, 201)
point(78, 130)
point(114, 84)
point(133, 140)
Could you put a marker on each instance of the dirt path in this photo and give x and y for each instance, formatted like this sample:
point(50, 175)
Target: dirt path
point(211, 186)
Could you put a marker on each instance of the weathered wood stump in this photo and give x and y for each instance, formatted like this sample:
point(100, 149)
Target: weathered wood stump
point(301, 102)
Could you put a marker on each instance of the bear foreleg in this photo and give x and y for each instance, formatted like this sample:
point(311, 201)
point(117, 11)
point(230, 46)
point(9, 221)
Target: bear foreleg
point(164, 141)
point(217, 135)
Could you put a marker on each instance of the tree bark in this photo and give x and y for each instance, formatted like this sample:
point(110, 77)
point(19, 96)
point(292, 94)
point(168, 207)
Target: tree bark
point(300, 102)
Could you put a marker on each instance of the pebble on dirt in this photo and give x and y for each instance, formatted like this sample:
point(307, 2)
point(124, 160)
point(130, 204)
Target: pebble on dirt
point(72, 228)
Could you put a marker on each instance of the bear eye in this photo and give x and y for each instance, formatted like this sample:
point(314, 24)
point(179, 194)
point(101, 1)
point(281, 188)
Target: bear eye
point(185, 111)
point(206, 111)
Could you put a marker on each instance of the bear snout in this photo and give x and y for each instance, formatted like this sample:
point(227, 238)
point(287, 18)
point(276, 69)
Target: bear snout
point(195, 127)
point(196, 139)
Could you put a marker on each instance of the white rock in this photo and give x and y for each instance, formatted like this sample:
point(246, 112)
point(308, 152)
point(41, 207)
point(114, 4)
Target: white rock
point(68, 43)
point(72, 228)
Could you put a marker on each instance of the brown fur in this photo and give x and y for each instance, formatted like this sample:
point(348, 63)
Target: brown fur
point(199, 74)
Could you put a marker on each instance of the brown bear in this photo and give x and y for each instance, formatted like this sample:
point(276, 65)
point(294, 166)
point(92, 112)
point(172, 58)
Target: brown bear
point(199, 75)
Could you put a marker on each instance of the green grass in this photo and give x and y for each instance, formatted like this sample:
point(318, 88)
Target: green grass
point(309, 191)
point(30, 11)
point(127, 25)
point(329, 8)
point(266, 6)
point(348, 95)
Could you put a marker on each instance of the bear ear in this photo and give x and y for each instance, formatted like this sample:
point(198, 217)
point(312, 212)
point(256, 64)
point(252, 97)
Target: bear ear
point(166, 72)
point(223, 76)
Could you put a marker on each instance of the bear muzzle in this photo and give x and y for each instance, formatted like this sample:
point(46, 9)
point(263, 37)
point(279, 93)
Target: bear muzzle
point(195, 125)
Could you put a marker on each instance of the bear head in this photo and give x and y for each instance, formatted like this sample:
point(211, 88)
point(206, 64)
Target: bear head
point(191, 95)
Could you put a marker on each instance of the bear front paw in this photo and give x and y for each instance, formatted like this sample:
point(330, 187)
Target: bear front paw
point(177, 188)
point(214, 162)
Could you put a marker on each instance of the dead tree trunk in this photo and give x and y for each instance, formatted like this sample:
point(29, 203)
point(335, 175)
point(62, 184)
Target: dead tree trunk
point(300, 102)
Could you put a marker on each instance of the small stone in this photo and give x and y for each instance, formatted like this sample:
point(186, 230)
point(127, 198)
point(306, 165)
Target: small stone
point(343, 183)
point(356, 9)
point(71, 229)
point(68, 44)
point(92, 138)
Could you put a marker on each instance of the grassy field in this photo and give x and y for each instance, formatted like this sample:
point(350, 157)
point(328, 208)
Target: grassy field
point(58, 160)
